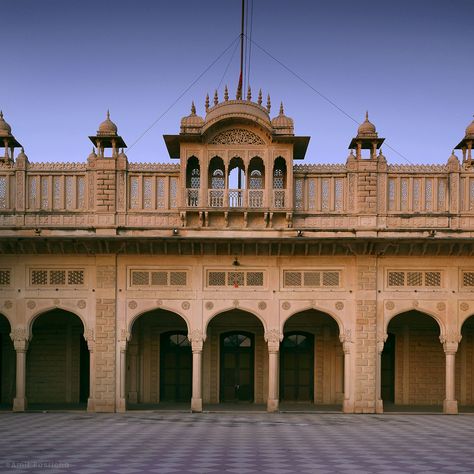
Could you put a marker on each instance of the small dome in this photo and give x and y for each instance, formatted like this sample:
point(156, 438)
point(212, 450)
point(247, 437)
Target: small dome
point(107, 127)
point(282, 123)
point(5, 129)
point(470, 130)
point(191, 121)
point(366, 127)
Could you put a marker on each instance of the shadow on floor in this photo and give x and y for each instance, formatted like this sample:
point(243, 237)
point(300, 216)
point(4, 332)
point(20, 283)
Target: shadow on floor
point(395, 408)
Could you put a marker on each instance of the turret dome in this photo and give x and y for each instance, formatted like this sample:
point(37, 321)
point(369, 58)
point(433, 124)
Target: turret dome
point(5, 129)
point(107, 127)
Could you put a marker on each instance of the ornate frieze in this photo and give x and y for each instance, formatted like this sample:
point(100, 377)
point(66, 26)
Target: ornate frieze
point(237, 136)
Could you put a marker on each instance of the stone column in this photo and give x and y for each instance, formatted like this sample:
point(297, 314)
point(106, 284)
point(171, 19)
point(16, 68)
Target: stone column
point(450, 346)
point(348, 403)
point(197, 341)
point(122, 403)
point(89, 337)
point(273, 338)
point(378, 374)
point(20, 342)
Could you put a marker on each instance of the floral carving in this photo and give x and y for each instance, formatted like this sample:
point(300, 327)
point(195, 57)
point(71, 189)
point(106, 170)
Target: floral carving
point(81, 304)
point(8, 304)
point(185, 305)
point(31, 304)
point(441, 306)
point(262, 305)
point(346, 336)
point(209, 305)
point(132, 304)
point(236, 303)
point(286, 305)
point(389, 305)
point(19, 334)
point(339, 305)
point(273, 337)
point(237, 136)
point(464, 306)
point(159, 302)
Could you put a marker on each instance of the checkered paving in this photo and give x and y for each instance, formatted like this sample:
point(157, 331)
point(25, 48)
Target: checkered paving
point(162, 443)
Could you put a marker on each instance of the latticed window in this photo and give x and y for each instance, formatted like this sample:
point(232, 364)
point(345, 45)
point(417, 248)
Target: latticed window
point(69, 192)
point(44, 192)
point(160, 192)
point(414, 279)
point(441, 194)
point(299, 196)
point(57, 277)
point(3, 192)
point(57, 192)
point(153, 278)
point(256, 180)
point(81, 192)
point(391, 194)
point(217, 181)
point(325, 197)
point(404, 194)
point(173, 192)
point(338, 194)
point(416, 194)
point(468, 278)
point(147, 192)
point(278, 179)
point(134, 187)
point(195, 178)
point(235, 279)
point(311, 278)
point(471, 194)
point(5, 277)
point(312, 193)
point(32, 191)
point(429, 194)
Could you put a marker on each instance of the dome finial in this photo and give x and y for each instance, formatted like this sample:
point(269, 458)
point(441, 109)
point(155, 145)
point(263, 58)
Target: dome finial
point(259, 101)
point(207, 102)
point(216, 98)
point(108, 114)
point(249, 93)
point(367, 115)
point(1, 114)
point(282, 112)
point(226, 93)
point(269, 103)
point(193, 108)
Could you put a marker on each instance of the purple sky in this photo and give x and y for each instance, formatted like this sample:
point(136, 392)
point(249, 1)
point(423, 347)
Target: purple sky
point(409, 62)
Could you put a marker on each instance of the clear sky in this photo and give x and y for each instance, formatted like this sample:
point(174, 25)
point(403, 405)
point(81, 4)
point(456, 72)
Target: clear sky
point(409, 62)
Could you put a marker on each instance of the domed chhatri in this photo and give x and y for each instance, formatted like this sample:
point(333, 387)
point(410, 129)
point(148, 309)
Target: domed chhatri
point(470, 130)
point(192, 123)
point(366, 128)
point(107, 127)
point(5, 129)
point(282, 124)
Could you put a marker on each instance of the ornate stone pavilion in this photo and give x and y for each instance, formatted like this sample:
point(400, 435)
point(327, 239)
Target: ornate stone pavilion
point(236, 275)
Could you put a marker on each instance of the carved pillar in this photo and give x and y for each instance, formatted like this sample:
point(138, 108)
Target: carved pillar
point(197, 341)
point(347, 347)
point(20, 342)
point(132, 358)
point(122, 402)
point(89, 337)
point(450, 346)
point(273, 339)
point(378, 373)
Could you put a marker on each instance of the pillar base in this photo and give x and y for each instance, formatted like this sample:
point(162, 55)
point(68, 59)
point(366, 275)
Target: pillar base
point(450, 407)
point(19, 404)
point(272, 405)
point(91, 405)
point(379, 406)
point(347, 406)
point(196, 405)
point(121, 405)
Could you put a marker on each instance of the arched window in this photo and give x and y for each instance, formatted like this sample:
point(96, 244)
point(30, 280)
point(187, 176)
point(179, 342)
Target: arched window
point(216, 173)
point(193, 181)
point(279, 183)
point(217, 180)
point(256, 180)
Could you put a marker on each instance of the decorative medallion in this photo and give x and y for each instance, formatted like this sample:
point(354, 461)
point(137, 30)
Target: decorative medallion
point(8, 304)
point(339, 305)
point(56, 302)
point(464, 306)
point(31, 304)
point(159, 302)
point(441, 306)
point(286, 305)
point(416, 303)
point(237, 136)
point(209, 305)
point(81, 304)
point(236, 303)
point(389, 305)
point(262, 305)
point(185, 305)
point(132, 304)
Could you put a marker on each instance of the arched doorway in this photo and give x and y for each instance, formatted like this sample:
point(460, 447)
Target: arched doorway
point(465, 367)
point(413, 364)
point(7, 365)
point(235, 357)
point(159, 361)
point(311, 361)
point(57, 362)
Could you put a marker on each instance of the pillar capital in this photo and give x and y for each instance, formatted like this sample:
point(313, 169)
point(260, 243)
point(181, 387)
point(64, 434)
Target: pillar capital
point(381, 339)
point(273, 337)
point(90, 339)
point(197, 339)
point(346, 340)
point(19, 336)
point(450, 341)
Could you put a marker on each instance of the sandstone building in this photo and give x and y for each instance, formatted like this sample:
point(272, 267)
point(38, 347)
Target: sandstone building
point(238, 274)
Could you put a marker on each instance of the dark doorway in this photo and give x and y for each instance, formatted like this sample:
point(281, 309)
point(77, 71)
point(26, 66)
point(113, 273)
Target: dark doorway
point(237, 357)
point(297, 368)
point(175, 367)
point(388, 370)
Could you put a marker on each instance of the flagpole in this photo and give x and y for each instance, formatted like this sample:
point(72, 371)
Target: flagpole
point(239, 87)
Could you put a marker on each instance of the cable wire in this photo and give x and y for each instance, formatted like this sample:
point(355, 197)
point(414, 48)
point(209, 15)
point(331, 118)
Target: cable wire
point(327, 99)
point(183, 93)
point(228, 64)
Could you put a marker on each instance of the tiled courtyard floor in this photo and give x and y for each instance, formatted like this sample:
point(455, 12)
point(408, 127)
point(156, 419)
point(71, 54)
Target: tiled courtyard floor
point(153, 442)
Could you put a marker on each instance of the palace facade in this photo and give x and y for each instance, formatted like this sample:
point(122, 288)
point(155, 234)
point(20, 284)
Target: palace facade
point(238, 274)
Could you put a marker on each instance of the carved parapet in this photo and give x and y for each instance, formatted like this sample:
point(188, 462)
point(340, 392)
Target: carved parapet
point(273, 337)
point(197, 339)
